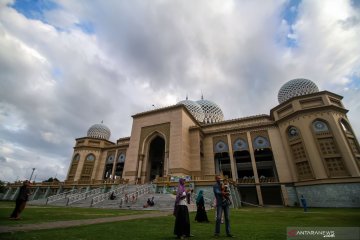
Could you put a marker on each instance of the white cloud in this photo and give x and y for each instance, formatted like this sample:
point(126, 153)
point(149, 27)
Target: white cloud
point(57, 80)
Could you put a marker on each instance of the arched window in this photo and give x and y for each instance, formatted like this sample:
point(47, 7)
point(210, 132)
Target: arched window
point(108, 167)
point(88, 167)
point(121, 158)
point(74, 166)
point(222, 158)
point(90, 158)
point(119, 169)
point(293, 132)
point(261, 142)
point(320, 126)
point(240, 145)
point(351, 140)
point(299, 154)
point(110, 159)
point(345, 126)
point(221, 146)
point(243, 160)
point(328, 148)
point(76, 158)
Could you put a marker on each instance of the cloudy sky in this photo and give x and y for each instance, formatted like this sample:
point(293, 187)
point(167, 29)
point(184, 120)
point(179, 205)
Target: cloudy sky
point(66, 65)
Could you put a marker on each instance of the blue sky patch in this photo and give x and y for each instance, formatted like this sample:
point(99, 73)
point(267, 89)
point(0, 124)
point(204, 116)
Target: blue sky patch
point(34, 9)
point(290, 15)
point(86, 27)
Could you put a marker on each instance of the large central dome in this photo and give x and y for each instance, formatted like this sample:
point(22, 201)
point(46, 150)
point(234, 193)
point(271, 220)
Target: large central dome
point(99, 131)
point(296, 87)
point(194, 108)
point(203, 110)
point(212, 111)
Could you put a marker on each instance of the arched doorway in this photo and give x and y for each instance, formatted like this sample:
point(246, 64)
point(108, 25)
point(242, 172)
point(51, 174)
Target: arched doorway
point(108, 167)
point(156, 158)
point(222, 164)
point(243, 165)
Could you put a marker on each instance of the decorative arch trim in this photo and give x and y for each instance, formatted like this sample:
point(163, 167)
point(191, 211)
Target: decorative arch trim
point(261, 142)
point(240, 145)
point(320, 126)
point(221, 146)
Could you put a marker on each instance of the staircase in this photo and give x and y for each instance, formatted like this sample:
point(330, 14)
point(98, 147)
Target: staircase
point(132, 197)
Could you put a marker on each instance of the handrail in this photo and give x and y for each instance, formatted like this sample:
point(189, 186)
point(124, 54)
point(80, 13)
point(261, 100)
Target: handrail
point(132, 197)
point(60, 196)
point(84, 195)
point(102, 197)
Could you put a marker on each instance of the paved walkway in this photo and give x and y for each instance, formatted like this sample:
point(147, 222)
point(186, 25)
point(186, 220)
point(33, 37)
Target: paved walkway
point(74, 223)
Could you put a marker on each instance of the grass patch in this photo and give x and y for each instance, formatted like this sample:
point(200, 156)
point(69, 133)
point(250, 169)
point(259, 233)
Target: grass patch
point(39, 214)
point(246, 224)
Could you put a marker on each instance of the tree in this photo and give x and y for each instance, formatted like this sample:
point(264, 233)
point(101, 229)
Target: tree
point(52, 180)
point(2, 186)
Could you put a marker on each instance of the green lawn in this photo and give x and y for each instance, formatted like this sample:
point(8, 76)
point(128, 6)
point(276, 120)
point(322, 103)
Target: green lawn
point(246, 223)
point(38, 214)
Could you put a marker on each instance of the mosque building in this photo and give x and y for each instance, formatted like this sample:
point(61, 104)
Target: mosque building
point(305, 146)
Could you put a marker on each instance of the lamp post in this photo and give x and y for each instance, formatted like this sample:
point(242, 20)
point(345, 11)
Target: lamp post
point(32, 173)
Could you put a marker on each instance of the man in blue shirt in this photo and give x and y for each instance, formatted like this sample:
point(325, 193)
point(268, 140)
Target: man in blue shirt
point(220, 207)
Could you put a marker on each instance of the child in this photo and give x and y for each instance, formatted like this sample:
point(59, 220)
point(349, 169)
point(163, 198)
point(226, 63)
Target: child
point(226, 193)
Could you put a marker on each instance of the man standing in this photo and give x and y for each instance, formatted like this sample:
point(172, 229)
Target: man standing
point(21, 200)
point(303, 203)
point(221, 206)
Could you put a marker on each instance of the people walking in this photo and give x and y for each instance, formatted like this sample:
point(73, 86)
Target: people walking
point(201, 215)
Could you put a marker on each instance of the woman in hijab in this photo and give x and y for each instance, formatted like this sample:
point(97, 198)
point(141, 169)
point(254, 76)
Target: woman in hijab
point(201, 215)
point(181, 212)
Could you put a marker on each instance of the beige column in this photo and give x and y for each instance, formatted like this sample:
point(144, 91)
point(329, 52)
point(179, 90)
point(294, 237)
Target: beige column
point(141, 158)
point(166, 164)
point(80, 165)
point(114, 164)
point(285, 195)
point(344, 148)
point(253, 163)
point(232, 162)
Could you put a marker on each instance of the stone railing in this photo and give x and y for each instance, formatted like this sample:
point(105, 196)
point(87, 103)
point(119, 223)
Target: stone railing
point(97, 182)
point(246, 180)
point(78, 197)
point(102, 197)
point(193, 178)
point(261, 180)
point(60, 196)
point(267, 179)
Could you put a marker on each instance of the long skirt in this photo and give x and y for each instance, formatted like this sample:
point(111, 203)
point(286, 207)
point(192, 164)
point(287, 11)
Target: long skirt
point(201, 215)
point(182, 221)
point(19, 207)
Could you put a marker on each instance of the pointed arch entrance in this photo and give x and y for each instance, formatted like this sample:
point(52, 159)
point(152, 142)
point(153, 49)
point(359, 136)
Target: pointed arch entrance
point(156, 158)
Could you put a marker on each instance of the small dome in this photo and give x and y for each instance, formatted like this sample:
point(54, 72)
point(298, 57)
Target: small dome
point(212, 111)
point(296, 87)
point(99, 131)
point(194, 108)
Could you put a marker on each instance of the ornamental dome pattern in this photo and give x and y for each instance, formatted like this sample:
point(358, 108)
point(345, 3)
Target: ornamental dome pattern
point(194, 108)
point(212, 111)
point(99, 131)
point(296, 87)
